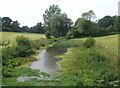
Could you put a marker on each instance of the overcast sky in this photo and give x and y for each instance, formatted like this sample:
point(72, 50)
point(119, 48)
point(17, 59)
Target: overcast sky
point(30, 12)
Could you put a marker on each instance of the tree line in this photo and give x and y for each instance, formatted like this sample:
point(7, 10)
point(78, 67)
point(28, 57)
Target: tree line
point(57, 24)
point(14, 26)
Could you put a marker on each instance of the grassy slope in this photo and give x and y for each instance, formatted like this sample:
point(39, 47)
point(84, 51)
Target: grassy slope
point(106, 45)
point(12, 35)
point(110, 43)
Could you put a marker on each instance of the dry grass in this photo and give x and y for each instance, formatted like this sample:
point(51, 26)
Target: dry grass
point(10, 36)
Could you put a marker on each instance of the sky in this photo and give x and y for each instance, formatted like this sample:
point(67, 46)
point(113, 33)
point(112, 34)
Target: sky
point(30, 12)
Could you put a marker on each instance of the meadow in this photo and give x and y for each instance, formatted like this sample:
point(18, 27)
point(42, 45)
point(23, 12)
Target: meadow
point(110, 43)
point(88, 62)
point(10, 36)
point(97, 65)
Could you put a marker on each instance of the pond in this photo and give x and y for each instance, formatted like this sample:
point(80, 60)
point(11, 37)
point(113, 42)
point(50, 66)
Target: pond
point(47, 62)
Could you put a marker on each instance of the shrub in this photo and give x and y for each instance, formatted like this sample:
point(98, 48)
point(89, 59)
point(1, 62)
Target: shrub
point(23, 47)
point(24, 51)
point(23, 41)
point(89, 42)
point(47, 34)
point(5, 43)
point(36, 44)
point(68, 36)
point(7, 72)
point(9, 53)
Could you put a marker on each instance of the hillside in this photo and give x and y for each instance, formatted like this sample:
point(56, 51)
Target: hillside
point(110, 42)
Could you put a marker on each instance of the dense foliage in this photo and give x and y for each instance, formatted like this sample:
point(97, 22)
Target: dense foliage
point(86, 67)
point(14, 26)
point(11, 53)
point(89, 42)
point(55, 22)
point(23, 46)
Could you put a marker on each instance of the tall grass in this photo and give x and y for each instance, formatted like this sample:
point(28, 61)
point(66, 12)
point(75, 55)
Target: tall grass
point(64, 44)
point(86, 67)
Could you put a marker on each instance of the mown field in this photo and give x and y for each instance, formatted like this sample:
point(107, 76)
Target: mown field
point(10, 36)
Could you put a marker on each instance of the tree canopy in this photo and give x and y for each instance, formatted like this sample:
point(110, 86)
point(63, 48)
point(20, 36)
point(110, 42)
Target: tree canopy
point(106, 21)
point(55, 22)
point(90, 15)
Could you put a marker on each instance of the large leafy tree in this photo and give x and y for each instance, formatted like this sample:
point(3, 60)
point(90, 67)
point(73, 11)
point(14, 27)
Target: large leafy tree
point(90, 15)
point(55, 22)
point(6, 24)
point(15, 26)
point(85, 27)
point(59, 25)
point(53, 9)
point(106, 21)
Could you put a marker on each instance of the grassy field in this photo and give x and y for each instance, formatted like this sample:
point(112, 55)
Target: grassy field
point(12, 35)
point(110, 43)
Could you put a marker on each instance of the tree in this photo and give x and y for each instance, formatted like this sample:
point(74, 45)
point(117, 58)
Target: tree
point(53, 9)
point(25, 29)
point(6, 24)
point(106, 21)
point(15, 26)
point(117, 24)
point(59, 25)
point(89, 15)
point(55, 22)
point(84, 27)
point(37, 28)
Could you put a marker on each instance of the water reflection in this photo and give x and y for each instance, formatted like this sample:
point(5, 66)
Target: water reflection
point(47, 62)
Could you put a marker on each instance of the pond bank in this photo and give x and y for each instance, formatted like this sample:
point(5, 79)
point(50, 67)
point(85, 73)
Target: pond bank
point(46, 60)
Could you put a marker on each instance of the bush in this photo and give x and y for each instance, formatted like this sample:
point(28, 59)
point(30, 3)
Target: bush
point(47, 34)
point(89, 42)
point(9, 53)
point(36, 44)
point(5, 43)
point(68, 36)
point(23, 47)
point(23, 41)
point(7, 72)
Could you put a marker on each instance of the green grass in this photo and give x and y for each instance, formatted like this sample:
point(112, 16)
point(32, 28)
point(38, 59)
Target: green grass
point(106, 48)
point(110, 43)
point(10, 36)
point(85, 67)
point(105, 45)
